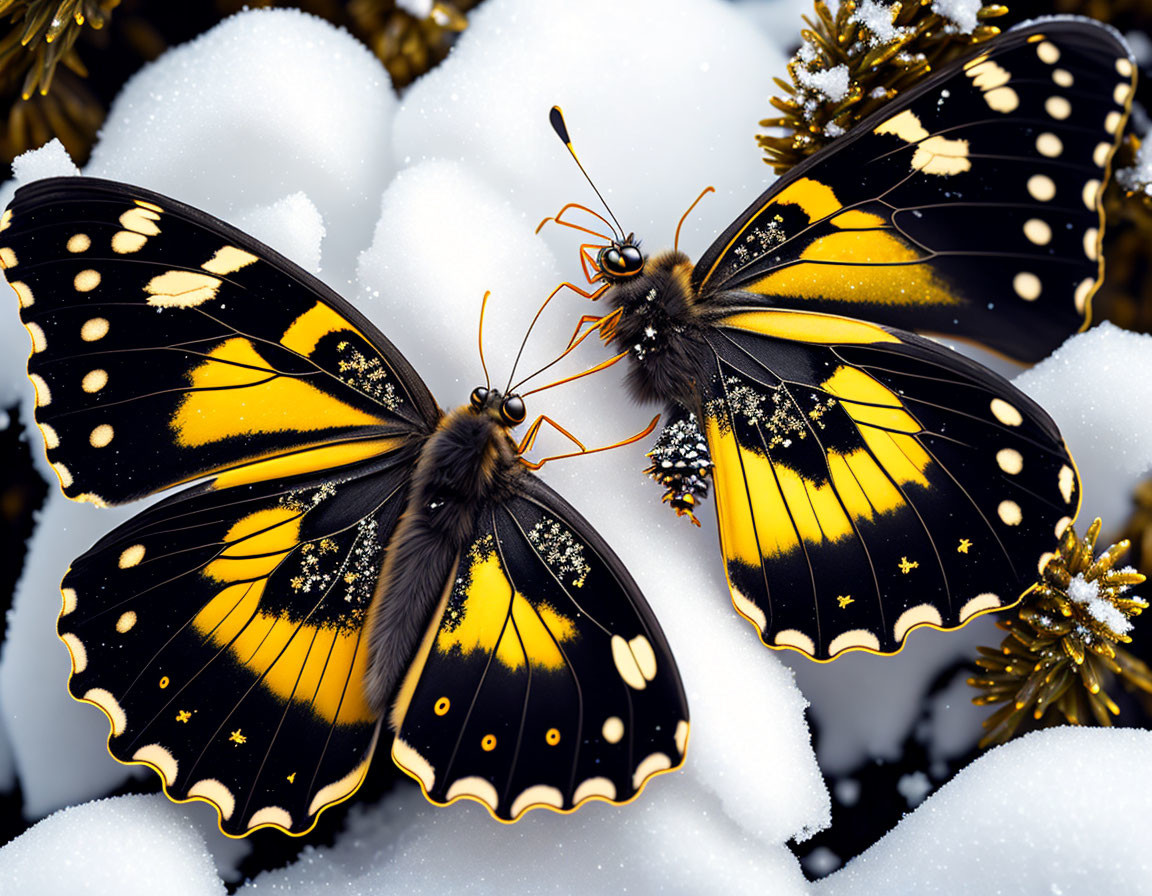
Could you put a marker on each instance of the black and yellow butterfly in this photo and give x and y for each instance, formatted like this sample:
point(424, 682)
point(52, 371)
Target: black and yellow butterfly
point(869, 481)
point(351, 558)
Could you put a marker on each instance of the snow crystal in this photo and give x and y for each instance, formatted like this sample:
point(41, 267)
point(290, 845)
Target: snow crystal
point(847, 791)
point(1108, 433)
point(1138, 177)
point(1053, 811)
point(831, 84)
point(1099, 608)
point(961, 13)
point(877, 17)
point(822, 861)
point(914, 788)
point(127, 845)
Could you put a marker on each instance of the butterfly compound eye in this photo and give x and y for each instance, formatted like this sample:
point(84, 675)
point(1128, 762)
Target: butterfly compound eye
point(512, 410)
point(479, 396)
point(621, 260)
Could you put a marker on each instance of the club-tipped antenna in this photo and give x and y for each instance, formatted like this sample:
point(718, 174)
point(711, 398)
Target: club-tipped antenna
point(556, 117)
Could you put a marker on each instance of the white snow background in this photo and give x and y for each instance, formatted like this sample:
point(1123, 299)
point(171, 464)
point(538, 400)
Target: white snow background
point(287, 127)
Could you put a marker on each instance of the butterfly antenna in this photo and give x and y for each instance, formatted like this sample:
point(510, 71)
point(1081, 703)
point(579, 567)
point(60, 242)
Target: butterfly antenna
point(684, 217)
point(556, 117)
point(480, 339)
point(527, 333)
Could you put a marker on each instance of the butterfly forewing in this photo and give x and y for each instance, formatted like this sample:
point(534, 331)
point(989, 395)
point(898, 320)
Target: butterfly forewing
point(869, 481)
point(222, 634)
point(544, 680)
point(168, 346)
point(969, 206)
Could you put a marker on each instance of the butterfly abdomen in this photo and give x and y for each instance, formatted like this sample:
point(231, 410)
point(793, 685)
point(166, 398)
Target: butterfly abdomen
point(659, 329)
point(466, 463)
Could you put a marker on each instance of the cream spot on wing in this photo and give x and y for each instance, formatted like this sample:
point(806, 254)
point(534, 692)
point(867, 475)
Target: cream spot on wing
point(270, 815)
point(857, 637)
point(1002, 99)
point(43, 393)
point(1121, 93)
point(338, 790)
point(749, 609)
point(1027, 286)
point(939, 155)
point(1009, 513)
point(141, 220)
point(228, 260)
point(6, 219)
point(1067, 482)
point(7, 258)
point(612, 729)
point(648, 766)
point(39, 343)
point(94, 380)
point(125, 242)
point(212, 790)
point(51, 439)
point(181, 289)
point(69, 595)
point(1112, 121)
point(1048, 52)
point(94, 329)
point(601, 787)
point(1091, 194)
point(131, 556)
point(1048, 144)
point(77, 650)
point(111, 706)
point(23, 293)
point(64, 474)
point(913, 616)
point(1083, 291)
point(101, 435)
point(537, 795)
point(126, 621)
point(411, 761)
point(1005, 413)
point(143, 203)
point(1038, 231)
point(791, 637)
point(78, 242)
point(681, 736)
point(1010, 460)
point(1043, 561)
point(979, 603)
point(1063, 77)
point(906, 126)
point(161, 759)
point(1124, 67)
point(1100, 154)
point(1041, 187)
point(86, 280)
point(477, 788)
point(1058, 107)
point(645, 656)
point(1092, 243)
point(1061, 524)
point(90, 498)
point(626, 664)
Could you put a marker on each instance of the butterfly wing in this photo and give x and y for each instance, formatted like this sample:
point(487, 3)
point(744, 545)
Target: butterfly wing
point(970, 205)
point(168, 346)
point(221, 632)
point(868, 481)
point(544, 679)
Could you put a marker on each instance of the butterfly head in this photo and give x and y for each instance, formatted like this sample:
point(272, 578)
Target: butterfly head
point(507, 410)
point(620, 260)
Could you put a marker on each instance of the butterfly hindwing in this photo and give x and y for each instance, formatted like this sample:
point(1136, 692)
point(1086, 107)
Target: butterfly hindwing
point(544, 679)
point(221, 632)
point(168, 346)
point(969, 205)
point(869, 481)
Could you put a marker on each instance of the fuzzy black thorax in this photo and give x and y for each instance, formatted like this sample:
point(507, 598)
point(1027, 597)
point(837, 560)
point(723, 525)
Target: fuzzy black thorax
point(659, 328)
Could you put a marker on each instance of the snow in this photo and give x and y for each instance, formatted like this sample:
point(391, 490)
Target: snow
point(287, 127)
point(1082, 591)
point(877, 17)
point(831, 84)
point(1053, 812)
point(1138, 177)
point(127, 845)
point(1108, 433)
point(961, 13)
point(914, 788)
